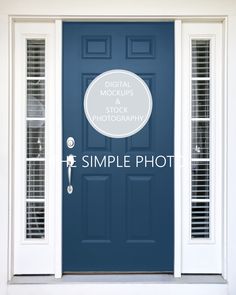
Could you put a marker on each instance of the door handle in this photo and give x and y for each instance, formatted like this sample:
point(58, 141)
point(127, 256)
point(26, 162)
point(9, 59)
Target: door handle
point(70, 161)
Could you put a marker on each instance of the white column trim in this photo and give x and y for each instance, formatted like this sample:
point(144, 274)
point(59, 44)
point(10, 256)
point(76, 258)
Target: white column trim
point(58, 151)
point(177, 151)
point(225, 152)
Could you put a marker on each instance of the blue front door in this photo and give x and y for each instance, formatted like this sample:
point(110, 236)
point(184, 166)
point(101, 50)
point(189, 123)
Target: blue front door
point(118, 219)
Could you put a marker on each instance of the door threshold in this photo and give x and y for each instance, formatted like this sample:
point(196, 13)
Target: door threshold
point(118, 279)
point(78, 273)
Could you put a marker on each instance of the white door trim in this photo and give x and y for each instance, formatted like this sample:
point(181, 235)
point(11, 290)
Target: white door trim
point(58, 155)
point(177, 151)
point(57, 179)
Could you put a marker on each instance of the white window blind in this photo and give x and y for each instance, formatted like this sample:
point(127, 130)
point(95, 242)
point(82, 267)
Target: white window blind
point(200, 167)
point(35, 162)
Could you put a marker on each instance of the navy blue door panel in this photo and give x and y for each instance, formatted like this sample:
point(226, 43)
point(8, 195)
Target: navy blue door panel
point(118, 219)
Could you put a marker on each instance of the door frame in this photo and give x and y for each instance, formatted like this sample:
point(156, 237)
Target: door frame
point(177, 143)
point(158, 30)
point(58, 128)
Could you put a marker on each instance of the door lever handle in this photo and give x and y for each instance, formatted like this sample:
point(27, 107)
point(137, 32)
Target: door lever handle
point(70, 161)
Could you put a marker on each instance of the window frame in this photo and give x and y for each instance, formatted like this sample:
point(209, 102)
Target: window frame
point(203, 255)
point(30, 254)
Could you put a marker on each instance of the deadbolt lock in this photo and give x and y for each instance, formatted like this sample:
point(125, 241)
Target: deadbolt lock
point(70, 142)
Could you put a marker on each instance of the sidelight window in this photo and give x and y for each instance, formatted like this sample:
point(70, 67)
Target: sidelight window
point(200, 169)
point(35, 161)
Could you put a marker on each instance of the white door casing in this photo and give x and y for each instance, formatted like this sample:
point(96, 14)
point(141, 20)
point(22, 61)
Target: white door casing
point(44, 257)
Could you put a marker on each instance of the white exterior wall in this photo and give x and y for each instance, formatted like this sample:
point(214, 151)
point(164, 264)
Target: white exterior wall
point(111, 8)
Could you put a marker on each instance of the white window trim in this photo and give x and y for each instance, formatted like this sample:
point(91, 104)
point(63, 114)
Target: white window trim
point(54, 246)
point(203, 255)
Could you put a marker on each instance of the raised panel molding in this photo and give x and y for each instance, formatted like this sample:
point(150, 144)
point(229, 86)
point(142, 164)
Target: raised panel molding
point(96, 190)
point(139, 209)
point(140, 47)
point(142, 140)
point(96, 46)
point(93, 139)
